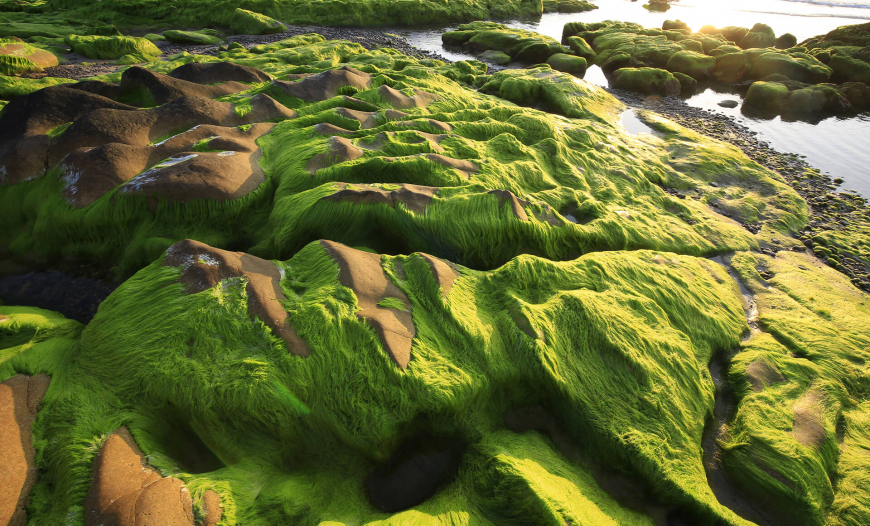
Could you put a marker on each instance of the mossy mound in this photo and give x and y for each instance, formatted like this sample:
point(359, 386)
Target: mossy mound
point(857, 35)
point(220, 13)
point(650, 81)
point(519, 44)
point(17, 57)
point(202, 38)
point(251, 23)
point(318, 327)
point(768, 99)
point(568, 6)
point(112, 47)
point(568, 63)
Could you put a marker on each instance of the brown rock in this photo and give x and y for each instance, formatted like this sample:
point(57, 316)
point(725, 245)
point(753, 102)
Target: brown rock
point(445, 272)
point(397, 99)
point(126, 492)
point(339, 150)
point(361, 272)
point(205, 266)
point(212, 506)
point(174, 171)
point(160, 88)
point(216, 72)
point(19, 401)
point(505, 196)
point(761, 374)
point(415, 197)
point(809, 426)
point(325, 85)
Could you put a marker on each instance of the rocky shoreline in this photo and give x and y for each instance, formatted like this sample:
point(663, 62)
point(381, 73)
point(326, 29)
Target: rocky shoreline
point(830, 210)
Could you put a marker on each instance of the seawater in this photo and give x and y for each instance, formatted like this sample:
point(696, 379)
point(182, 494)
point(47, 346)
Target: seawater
point(838, 146)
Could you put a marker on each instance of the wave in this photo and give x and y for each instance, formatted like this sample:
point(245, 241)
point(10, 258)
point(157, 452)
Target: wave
point(809, 15)
point(852, 4)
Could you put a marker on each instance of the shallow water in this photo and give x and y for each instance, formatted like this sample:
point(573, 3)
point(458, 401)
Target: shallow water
point(837, 146)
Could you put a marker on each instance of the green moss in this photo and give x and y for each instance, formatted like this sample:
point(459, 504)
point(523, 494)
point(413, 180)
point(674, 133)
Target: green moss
point(11, 87)
point(519, 44)
point(191, 37)
point(651, 81)
point(111, 48)
point(251, 23)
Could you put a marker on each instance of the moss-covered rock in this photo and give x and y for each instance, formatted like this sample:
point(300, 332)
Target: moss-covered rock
point(766, 97)
point(847, 69)
point(688, 85)
point(581, 48)
point(519, 44)
point(675, 24)
point(154, 37)
point(568, 63)
point(796, 66)
point(857, 35)
point(760, 36)
point(17, 57)
point(251, 23)
point(192, 37)
point(693, 64)
point(650, 81)
point(496, 57)
point(731, 67)
point(111, 48)
point(786, 41)
point(730, 33)
point(568, 6)
point(814, 100)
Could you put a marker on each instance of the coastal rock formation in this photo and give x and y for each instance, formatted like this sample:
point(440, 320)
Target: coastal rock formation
point(360, 286)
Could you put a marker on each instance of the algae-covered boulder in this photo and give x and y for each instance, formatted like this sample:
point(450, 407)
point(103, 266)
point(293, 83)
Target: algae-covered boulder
point(568, 63)
point(568, 6)
point(192, 37)
point(580, 47)
point(649, 81)
point(786, 41)
point(675, 24)
point(496, 57)
point(730, 33)
point(251, 23)
point(857, 35)
point(766, 97)
point(111, 48)
point(17, 57)
point(693, 64)
point(796, 66)
point(858, 94)
point(731, 67)
point(154, 37)
point(848, 69)
point(688, 85)
point(519, 44)
point(813, 100)
point(760, 36)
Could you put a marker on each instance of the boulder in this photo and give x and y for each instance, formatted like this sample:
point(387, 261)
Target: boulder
point(649, 81)
point(251, 23)
point(727, 49)
point(847, 69)
point(761, 35)
point(858, 94)
point(786, 41)
point(580, 47)
point(568, 63)
point(496, 57)
point(568, 6)
point(693, 64)
point(675, 24)
point(857, 35)
point(112, 47)
point(813, 100)
point(731, 67)
point(688, 85)
point(191, 37)
point(767, 97)
point(18, 57)
point(799, 66)
point(730, 33)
